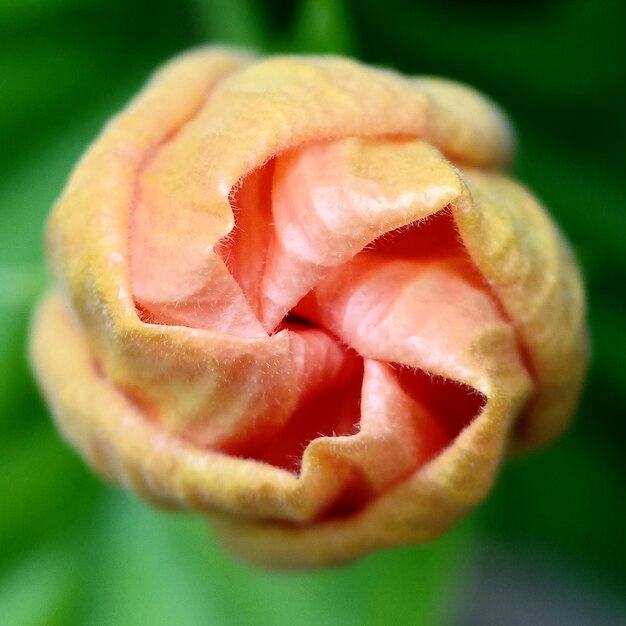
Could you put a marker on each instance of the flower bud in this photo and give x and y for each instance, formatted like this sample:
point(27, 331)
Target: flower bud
point(299, 295)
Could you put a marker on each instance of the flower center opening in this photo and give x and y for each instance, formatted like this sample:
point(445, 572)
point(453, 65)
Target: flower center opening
point(379, 301)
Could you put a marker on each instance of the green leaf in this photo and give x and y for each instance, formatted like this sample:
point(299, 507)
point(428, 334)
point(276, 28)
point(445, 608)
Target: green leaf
point(43, 486)
point(236, 22)
point(141, 550)
point(42, 588)
point(322, 26)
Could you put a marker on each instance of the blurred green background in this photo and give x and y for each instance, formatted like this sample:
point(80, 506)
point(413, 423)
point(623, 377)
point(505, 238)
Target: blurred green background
point(549, 547)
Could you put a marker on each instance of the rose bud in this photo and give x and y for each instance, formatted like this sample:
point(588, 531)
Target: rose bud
point(299, 295)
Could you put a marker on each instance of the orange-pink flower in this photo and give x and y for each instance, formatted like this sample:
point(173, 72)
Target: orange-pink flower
point(298, 294)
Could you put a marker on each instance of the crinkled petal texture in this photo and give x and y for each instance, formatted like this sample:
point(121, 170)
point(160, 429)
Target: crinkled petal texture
point(298, 294)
